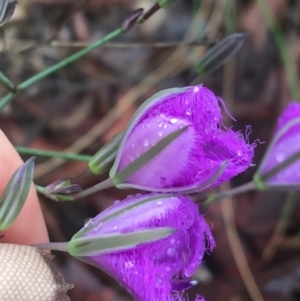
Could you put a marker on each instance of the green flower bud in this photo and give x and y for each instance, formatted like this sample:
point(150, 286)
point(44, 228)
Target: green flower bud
point(61, 186)
point(219, 54)
point(103, 160)
point(132, 20)
point(91, 240)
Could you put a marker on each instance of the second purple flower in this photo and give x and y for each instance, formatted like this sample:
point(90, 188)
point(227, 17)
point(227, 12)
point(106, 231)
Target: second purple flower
point(284, 146)
point(176, 142)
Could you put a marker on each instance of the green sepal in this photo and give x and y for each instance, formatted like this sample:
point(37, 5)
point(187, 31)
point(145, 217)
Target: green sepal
point(115, 242)
point(220, 53)
point(196, 187)
point(146, 157)
point(103, 160)
point(15, 194)
point(259, 183)
point(155, 99)
point(262, 181)
point(118, 213)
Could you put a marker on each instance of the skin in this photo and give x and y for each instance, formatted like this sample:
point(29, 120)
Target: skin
point(29, 227)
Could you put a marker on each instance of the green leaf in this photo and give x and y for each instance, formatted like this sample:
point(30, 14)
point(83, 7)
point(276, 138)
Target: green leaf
point(219, 54)
point(115, 242)
point(15, 194)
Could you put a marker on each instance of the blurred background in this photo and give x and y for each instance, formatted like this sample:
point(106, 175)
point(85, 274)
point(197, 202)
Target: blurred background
point(82, 106)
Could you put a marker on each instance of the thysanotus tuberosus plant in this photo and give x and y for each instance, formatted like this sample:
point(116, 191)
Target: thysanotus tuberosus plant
point(175, 144)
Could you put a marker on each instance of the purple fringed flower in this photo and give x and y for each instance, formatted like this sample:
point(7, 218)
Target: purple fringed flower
point(159, 270)
point(285, 144)
point(200, 151)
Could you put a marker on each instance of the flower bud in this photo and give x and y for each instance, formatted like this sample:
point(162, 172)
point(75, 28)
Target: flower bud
point(25, 275)
point(152, 270)
point(176, 142)
point(61, 186)
point(15, 194)
point(132, 20)
point(7, 8)
point(103, 160)
point(220, 53)
point(281, 164)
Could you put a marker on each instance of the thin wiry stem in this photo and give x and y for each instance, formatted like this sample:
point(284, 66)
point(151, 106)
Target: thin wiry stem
point(99, 187)
point(52, 154)
point(13, 43)
point(6, 81)
point(237, 250)
point(229, 193)
point(54, 246)
point(278, 234)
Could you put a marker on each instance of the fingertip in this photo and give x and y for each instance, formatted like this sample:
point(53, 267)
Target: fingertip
point(29, 227)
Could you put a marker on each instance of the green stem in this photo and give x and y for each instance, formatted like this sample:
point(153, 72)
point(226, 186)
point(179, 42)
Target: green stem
point(7, 83)
point(32, 80)
point(6, 100)
point(98, 187)
point(40, 189)
point(54, 246)
point(29, 82)
point(151, 11)
point(237, 190)
point(280, 229)
point(52, 154)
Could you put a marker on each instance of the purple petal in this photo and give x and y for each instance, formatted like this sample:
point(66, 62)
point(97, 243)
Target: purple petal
point(291, 111)
point(285, 145)
point(158, 172)
point(196, 154)
point(149, 271)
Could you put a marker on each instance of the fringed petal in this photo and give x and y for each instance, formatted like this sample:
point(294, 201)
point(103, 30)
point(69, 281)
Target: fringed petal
point(148, 271)
point(196, 153)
